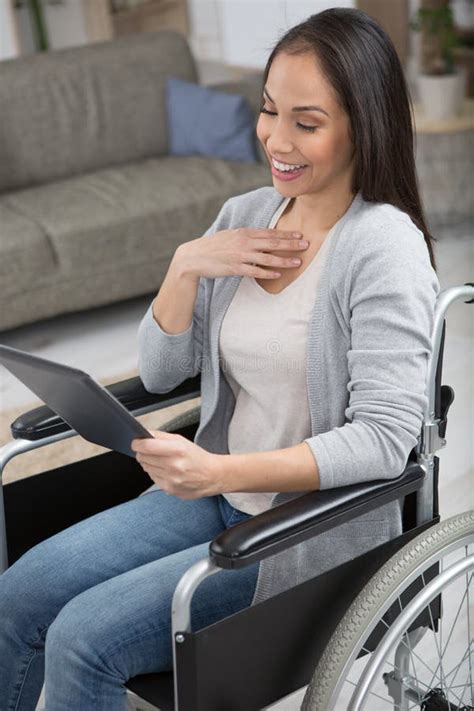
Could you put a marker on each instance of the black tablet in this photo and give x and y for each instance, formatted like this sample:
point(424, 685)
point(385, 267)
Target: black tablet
point(84, 404)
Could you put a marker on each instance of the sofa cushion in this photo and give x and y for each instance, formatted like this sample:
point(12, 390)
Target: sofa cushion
point(81, 109)
point(203, 121)
point(135, 213)
point(26, 255)
point(251, 87)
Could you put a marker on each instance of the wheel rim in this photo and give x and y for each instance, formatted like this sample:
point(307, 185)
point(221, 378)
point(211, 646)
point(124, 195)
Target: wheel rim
point(448, 692)
point(453, 685)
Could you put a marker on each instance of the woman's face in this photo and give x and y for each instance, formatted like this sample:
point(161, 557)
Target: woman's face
point(317, 139)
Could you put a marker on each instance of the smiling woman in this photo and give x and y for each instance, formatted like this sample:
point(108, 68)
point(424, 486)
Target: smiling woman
point(315, 381)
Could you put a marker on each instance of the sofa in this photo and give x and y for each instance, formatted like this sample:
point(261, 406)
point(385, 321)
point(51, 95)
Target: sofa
point(92, 204)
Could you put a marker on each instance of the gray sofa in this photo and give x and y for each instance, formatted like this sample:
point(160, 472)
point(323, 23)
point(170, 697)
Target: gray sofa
point(92, 206)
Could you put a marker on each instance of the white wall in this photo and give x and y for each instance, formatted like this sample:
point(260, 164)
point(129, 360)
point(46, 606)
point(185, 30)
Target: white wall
point(66, 24)
point(204, 20)
point(463, 11)
point(243, 32)
point(8, 38)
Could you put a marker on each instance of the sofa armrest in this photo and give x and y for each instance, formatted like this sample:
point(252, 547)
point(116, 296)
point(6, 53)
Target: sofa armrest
point(43, 422)
point(251, 88)
point(308, 515)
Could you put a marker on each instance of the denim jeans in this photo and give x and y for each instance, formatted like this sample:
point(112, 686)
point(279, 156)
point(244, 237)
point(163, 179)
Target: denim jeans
point(90, 607)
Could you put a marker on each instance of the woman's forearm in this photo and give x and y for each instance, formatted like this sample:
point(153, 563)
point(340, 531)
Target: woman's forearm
point(289, 469)
point(174, 305)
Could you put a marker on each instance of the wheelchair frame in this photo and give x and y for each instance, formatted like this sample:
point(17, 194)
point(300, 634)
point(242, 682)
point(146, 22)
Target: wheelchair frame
point(276, 635)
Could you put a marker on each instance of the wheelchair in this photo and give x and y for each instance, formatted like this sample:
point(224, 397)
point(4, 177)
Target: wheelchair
point(367, 634)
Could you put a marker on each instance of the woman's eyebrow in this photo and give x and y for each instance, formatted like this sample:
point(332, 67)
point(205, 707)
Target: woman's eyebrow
point(299, 108)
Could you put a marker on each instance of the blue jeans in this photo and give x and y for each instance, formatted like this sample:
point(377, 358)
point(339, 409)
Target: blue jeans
point(90, 607)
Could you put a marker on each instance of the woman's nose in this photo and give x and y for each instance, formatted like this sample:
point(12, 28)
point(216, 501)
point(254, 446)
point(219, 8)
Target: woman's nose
point(278, 141)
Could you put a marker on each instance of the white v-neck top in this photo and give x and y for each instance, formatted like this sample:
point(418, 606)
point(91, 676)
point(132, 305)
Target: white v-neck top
point(262, 348)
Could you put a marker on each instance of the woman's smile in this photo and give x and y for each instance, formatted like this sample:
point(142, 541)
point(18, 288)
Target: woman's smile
point(292, 174)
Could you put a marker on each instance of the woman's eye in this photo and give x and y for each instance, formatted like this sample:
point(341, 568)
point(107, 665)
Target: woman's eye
point(307, 128)
point(266, 111)
point(311, 129)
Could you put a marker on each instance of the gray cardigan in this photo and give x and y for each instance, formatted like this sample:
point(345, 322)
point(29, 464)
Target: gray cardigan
point(369, 339)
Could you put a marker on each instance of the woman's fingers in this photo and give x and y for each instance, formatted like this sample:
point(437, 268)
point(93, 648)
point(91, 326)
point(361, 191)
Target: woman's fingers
point(269, 243)
point(146, 460)
point(163, 443)
point(252, 270)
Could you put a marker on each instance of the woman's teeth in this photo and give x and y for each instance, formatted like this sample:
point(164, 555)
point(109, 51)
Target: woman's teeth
point(285, 167)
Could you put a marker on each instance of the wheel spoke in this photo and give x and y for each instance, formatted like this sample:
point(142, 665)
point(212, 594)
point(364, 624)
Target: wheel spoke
point(440, 664)
point(443, 677)
point(458, 613)
point(459, 686)
point(456, 668)
point(450, 690)
point(409, 648)
point(468, 633)
point(467, 685)
point(391, 664)
point(414, 654)
point(420, 684)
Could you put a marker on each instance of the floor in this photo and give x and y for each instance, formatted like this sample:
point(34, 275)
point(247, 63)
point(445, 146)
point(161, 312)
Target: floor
point(103, 342)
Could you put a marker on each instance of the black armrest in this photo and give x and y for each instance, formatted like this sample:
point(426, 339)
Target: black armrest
point(43, 422)
point(307, 516)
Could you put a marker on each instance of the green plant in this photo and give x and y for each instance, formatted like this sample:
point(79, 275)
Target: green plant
point(438, 23)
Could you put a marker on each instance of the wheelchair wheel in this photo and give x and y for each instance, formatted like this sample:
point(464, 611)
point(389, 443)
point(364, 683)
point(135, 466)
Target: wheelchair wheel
point(422, 597)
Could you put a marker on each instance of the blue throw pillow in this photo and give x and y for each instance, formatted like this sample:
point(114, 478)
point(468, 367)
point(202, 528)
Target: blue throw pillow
point(207, 122)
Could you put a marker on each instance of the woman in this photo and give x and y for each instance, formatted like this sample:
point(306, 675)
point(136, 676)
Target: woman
point(312, 375)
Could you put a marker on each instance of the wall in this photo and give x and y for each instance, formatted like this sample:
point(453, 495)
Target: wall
point(241, 32)
point(205, 36)
point(9, 45)
point(66, 26)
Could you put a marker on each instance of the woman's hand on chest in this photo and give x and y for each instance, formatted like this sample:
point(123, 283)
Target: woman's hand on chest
point(258, 253)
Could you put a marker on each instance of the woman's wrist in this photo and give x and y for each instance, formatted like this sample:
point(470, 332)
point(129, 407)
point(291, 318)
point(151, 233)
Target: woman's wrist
point(182, 264)
point(219, 474)
point(288, 469)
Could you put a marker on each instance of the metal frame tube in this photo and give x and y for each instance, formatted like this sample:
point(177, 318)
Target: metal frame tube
point(397, 680)
point(181, 607)
point(7, 452)
point(425, 456)
point(443, 302)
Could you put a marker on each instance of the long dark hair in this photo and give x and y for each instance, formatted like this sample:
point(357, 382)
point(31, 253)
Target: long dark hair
point(360, 62)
